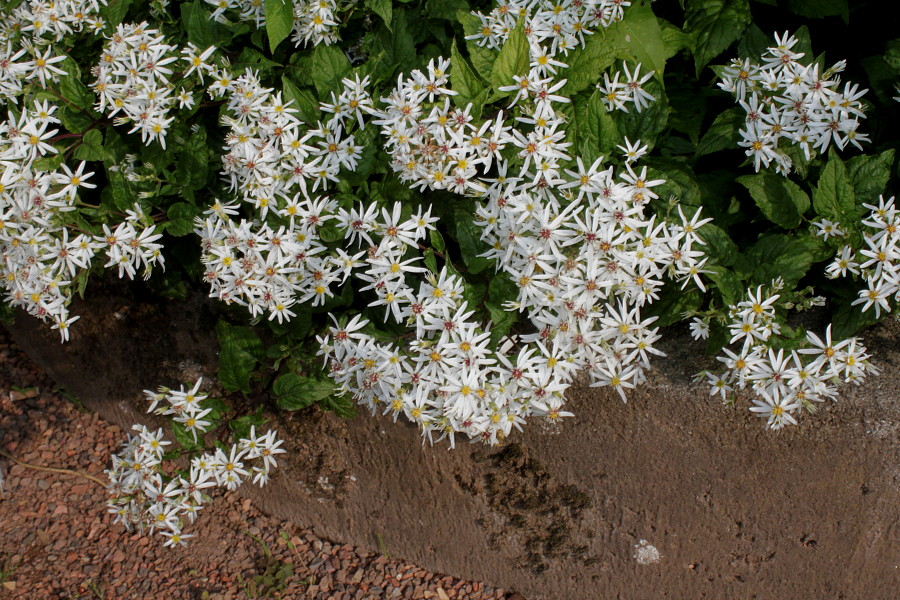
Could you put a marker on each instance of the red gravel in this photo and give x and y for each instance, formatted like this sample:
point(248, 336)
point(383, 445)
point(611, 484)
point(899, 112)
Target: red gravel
point(56, 534)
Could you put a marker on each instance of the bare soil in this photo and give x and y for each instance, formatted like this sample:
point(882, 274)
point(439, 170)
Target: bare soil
point(670, 495)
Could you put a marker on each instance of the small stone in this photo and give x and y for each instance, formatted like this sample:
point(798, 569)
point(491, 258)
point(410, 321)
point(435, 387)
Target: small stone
point(10, 585)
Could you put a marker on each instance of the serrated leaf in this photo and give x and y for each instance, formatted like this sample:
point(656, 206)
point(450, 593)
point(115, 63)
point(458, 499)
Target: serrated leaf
point(817, 9)
point(293, 392)
point(470, 245)
point(482, 58)
point(778, 255)
point(279, 21)
point(239, 351)
point(240, 427)
point(91, 147)
point(719, 246)
point(596, 130)
point(181, 219)
point(715, 25)
point(49, 163)
point(502, 289)
point(586, 65)
point(329, 66)
point(437, 240)
point(303, 101)
point(501, 322)
point(464, 80)
point(202, 30)
point(341, 405)
point(780, 199)
point(382, 8)
point(641, 38)
point(869, 174)
point(184, 437)
point(113, 12)
point(727, 283)
point(193, 162)
point(834, 197)
point(514, 60)
point(723, 134)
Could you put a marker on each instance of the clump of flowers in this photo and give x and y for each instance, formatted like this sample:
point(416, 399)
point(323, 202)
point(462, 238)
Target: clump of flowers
point(782, 381)
point(877, 262)
point(617, 95)
point(146, 494)
point(133, 78)
point(791, 103)
point(315, 21)
point(559, 27)
point(278, 165)
point(44, 255)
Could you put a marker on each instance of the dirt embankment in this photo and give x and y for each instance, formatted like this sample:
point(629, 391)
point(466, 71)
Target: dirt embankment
point(670, 495)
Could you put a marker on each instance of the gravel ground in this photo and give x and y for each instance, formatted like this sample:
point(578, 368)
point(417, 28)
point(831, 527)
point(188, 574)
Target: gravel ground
point(58, 541)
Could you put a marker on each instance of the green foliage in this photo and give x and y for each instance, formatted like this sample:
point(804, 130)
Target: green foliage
point(780, 199)
point(714, 26)
point(293, 392)
point(239, 351)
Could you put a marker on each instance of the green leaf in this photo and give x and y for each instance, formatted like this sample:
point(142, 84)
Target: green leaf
point(502, 289)
point(674, 39)
point(122, 194)
point(240, 427)
point(253, 58)
point(869, 174)
point(464, 80)
point(779, 198)
point(114, 12)
point(303, 100)
point(91, 147)
point(279, 21)
point(719, 245)
point(482, 58)
point(848, 319)
point(514, 59)
point(430, 261)
point(437, 240)
point(587, 64)
point(202, 30)
point(49, 163)
point(445, 9)
point(184, 438)
point(673, 302)
point(293, 392)
point(715, 25)
point(193, 164)
point(817, 9)
point(596, 130)
point(778, 255)
point(329, 66)
point(723, 134)
point(834, 197)
point(501, 322)
point(239, 351)
point(727, 283)
point(470, 245)
point(181, 218)
point(342, 406)
point(641, 38)
point(382, 8)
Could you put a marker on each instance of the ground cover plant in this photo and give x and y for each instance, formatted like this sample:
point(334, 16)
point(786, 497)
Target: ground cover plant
point(450, 212)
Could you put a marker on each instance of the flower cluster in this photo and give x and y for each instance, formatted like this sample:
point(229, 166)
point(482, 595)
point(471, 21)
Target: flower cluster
point(786, 100)
point(278, 165)
point(43, 253)
point(144, 495)
point(315, 21)
point(271, 156)
point(558, 26)
point(42, 23)
point(617, 95)
point(133, 80)
point(878, 263)
point(783, 382)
